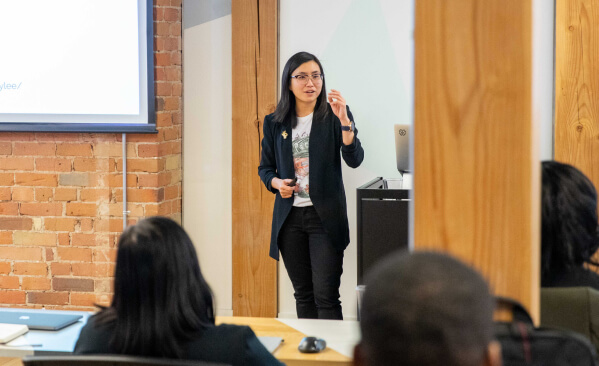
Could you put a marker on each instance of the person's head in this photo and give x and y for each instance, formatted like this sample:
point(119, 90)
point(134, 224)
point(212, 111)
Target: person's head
point(569, 234)
point(307, 88)
point(160, 297)
point(426, 309)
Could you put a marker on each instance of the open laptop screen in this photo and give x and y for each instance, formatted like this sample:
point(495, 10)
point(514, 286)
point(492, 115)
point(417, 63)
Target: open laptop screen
point(402, 147)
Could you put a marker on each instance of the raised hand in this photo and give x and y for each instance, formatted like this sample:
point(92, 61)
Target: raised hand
point(337, 103)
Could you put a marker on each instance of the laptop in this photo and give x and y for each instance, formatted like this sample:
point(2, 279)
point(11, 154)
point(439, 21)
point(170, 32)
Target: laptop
point(39, 320)
point(402, 147)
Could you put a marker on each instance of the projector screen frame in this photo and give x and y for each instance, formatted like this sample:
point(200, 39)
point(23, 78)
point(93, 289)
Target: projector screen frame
point(114, 127)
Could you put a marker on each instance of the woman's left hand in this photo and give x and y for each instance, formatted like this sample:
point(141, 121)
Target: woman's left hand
point(337, 103)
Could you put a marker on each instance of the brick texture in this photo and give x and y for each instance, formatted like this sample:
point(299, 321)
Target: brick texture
point(61, 194)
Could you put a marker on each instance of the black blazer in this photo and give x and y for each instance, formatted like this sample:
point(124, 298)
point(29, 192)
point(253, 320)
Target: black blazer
point(326, 183)
point(230, 344)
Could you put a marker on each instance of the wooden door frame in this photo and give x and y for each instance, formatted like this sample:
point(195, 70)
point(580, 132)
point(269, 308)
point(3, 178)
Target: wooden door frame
point(255, 25)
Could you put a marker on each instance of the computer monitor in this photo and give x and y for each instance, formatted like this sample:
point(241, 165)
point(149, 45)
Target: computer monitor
point(402, 147)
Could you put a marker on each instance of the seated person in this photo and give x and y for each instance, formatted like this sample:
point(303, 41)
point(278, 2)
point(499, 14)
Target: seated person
point(569, 236)
point(426, 309)
point(162, 306)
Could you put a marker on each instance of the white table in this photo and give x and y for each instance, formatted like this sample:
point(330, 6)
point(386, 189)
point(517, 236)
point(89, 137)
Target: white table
point(47, 342)
point(341, 337)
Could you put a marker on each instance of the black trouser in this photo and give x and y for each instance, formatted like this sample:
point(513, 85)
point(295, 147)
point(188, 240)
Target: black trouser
point(313, 264)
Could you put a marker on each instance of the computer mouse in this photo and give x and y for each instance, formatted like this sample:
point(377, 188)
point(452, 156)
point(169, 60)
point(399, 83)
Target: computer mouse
point(312, 345)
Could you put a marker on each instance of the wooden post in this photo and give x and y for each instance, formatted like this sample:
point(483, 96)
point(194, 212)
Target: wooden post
point(476, 174)
point(255, 45)
point(577, 85)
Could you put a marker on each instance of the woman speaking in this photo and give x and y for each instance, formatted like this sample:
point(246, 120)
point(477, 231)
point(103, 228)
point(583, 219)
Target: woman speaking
point(304, 140)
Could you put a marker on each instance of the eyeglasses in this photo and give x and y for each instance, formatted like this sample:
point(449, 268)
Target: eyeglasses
point(303, 79)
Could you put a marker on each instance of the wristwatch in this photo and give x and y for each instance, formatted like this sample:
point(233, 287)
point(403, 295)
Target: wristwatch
point(349, 127)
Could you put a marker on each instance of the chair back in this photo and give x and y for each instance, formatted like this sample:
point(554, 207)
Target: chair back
point(110, 360)
point(572, 308)
point(523, 344)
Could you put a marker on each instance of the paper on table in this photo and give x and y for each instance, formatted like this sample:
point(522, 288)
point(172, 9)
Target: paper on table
point(8, 332)
point(271, 343)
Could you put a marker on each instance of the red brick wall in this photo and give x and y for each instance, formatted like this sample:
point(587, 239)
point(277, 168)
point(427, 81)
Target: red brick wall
point(61, 194)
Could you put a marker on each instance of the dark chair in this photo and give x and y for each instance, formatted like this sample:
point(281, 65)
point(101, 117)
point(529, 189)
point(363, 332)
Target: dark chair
point(109, 360)
point(524, 344)
point(572, 308)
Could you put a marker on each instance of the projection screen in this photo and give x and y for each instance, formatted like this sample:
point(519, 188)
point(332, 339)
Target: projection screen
point(77, 66)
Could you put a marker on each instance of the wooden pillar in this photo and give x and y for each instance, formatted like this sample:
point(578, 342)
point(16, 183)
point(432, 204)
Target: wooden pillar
point(255, 45)
point(476, 174)
point(577, 85)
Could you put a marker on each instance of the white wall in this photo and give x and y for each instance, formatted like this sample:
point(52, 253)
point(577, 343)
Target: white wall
point(543, 84)
point(366, 48)
point(207, 164)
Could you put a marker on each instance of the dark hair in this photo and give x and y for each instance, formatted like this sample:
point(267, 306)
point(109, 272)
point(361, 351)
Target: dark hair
point(425, 309)
point(160, 298)
point(285, 112)
point(569, 219)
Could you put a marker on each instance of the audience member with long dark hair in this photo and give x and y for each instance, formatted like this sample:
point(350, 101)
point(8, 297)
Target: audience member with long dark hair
point(163, 307)
point(569, 227)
